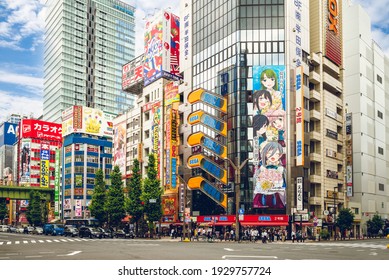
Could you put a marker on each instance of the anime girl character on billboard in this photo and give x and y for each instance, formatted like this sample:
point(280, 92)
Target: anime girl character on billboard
point(269, 130)
point(270, 178)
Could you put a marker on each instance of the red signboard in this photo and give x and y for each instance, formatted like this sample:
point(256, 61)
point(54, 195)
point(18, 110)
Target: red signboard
point(333, 34)
point(40, 130)
point(248, 220)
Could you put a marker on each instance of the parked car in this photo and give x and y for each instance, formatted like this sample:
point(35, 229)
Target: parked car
point(37, 230)
point(106, 233)
point(89, 232)
point(53, 229)
point(71, 231)
point(19, 230)
point(122, 234)
point(4, 228)
point(28, 229)
point(12, 229)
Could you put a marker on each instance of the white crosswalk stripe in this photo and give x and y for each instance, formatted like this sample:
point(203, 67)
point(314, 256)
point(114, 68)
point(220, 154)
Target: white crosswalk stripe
point(25, 242)
point(17, 242)
point(63, 240)
point(1, 243)
point(41, 241)
point(56, 240)
point(33, 241)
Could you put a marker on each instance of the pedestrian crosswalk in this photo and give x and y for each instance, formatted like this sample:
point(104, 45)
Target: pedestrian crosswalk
point(347, 244)
point(40, 241)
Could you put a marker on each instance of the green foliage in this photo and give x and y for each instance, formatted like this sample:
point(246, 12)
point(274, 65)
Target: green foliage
point(114, 206)
point(97, 206)
point(345, 219)
point(3, 209)
point(134, 187)
point(35, 210)
point(375, 224)
point(152, 191)
point(324, 234)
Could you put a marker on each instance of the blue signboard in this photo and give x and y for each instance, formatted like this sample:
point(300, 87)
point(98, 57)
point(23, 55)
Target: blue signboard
point(8, 134)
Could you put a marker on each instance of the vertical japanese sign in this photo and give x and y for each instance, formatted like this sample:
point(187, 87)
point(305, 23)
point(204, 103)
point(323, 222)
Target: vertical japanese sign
point(57, 180)
point(25, 161)
point(299, 193)
point(45, 165)
point(269, 129)
point(168, 129)
point(333, 40)
point(78, 208)
point(299, 117)
point(155, 139)
point(298, 8)
point(186, 36)
point(174, 148)
point(349, 155)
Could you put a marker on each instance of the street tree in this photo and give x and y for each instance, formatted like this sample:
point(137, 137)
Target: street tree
point(35, 209)
point(134, 189)
point(344, 220)
point(97, 206)
point(114, 206)
point(3, 209)
point(151, 195)
point(374, 225)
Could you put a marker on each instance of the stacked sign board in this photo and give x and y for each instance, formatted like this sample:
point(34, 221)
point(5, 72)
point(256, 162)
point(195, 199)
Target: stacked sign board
point(212, 153)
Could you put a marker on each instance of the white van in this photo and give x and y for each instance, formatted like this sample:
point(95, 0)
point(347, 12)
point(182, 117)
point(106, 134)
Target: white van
point(4, 228)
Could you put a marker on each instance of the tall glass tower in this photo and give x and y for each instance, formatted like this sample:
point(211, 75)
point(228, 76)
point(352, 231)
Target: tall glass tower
point(86, 44)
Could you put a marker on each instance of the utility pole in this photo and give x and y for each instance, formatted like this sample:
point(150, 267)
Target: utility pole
point(237, 194)
point(335, 195)
point(184, 229)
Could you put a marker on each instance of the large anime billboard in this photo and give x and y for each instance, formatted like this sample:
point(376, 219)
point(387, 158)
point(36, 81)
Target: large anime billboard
point(161, 50)
point(119, 144)
point(269, 130)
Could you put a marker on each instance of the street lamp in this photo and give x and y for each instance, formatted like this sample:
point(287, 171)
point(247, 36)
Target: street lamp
point(237, 170)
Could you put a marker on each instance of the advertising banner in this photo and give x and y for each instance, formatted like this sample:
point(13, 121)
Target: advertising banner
point(119, 145)
point(269, 129)
point(132, 72)
point(169, 205)
point(299, 193)
point(41, 130)
point(8, 134)
point(89, 121)
point(155, 137)
point(171, 93)
point(299, 117)
point(78, 208)
point(174, 148)
point(45, 165)
point(57, 180)
point(333, 40)
point(349, 155)
point(25, 161)
point(161, 52)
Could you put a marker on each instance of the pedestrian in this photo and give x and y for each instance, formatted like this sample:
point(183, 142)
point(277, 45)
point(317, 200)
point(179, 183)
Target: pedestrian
point(293, 236)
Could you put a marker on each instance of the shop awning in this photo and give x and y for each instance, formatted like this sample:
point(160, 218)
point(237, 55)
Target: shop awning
point(263, 224)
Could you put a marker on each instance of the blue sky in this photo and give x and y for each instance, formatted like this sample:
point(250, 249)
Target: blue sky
point(21, 46)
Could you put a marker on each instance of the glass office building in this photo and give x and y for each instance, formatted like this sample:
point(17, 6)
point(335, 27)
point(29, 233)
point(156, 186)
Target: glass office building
point(86, 44)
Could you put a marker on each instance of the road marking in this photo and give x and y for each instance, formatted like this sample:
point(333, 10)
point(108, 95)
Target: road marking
point(41, 241)
point(33, 256)
point(9, 242)
point(74, 253)
point(78, 239)
point(63, 240)
point(1, 243)
point(25, 242)
point(12, 254)
point(71, 240)
point(229, 249)
point(17, 242)
point(33, 241)
point(3, 258)
point(56, 240)
point(251, 257)
point(49, 241)
point(373, 254)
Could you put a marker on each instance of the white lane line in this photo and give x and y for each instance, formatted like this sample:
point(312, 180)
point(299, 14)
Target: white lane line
point(78, 239)
point(33, 256)
point(251, 257)
point(229, 249)
point(70, 254)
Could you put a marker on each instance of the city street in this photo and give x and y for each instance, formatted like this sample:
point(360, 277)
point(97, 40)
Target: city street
point(38, 247)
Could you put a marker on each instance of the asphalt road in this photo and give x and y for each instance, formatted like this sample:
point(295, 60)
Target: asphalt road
point(38, 247)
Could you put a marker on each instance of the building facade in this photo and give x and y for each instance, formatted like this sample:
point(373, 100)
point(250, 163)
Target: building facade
point(86, 44)
point(366, 85)
point(8, 131)
point(87, 147)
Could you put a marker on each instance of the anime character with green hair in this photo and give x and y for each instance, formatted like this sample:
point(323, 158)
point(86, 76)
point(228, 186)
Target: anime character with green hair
point(270, 83)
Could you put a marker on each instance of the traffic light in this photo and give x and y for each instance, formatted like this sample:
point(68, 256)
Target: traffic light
point(7, 200)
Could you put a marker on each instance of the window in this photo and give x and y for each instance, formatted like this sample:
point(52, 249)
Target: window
point(147, 116)
point(379, 79)
point(380, 150)
point(381, 187)
point(380, 115)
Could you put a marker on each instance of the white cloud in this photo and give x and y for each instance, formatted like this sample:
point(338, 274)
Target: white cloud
point(27, 81)
point(14, 104)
